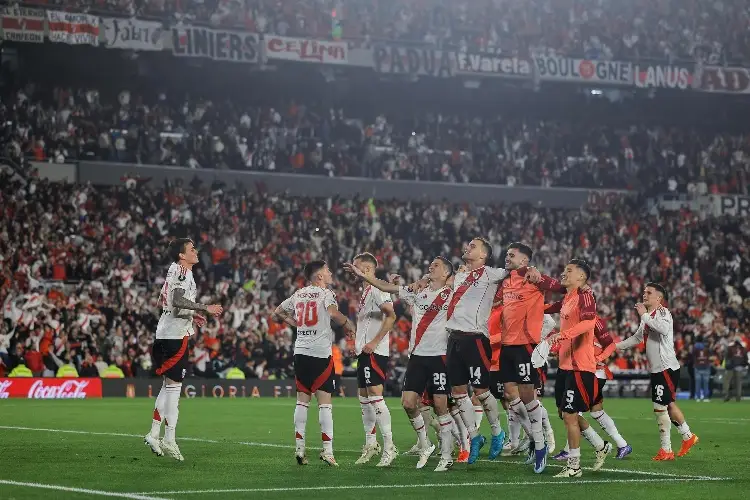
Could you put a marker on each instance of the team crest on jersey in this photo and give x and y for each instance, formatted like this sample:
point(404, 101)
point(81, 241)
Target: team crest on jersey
point(444, 295)
point(183, 274)
point(475, 275)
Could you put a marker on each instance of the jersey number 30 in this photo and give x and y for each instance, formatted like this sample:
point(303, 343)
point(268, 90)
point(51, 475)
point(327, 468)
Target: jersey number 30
point(307, 313)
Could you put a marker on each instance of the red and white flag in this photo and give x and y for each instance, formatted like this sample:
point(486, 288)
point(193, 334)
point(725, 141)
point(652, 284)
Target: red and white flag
point(72, 28)
point(23, 24)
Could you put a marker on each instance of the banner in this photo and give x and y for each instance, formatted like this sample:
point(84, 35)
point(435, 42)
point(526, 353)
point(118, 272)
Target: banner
point(216, 388)
point(413, 61)
point(133, 34)
point(216, 44)
point(50, 388)
point(491, 65)
point(73, 29)
point(723, 80)
point(729, 204)
point(561, 69)
point(22, 24)
point(303, 50)
point(663, 77)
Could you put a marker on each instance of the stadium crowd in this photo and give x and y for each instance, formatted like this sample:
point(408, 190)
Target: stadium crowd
point(82, 266)
point(64, 124)
point(602, 29)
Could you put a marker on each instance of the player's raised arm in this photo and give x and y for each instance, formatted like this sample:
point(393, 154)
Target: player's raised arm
point(180, 302)
point(542, 281)
point(660, 322)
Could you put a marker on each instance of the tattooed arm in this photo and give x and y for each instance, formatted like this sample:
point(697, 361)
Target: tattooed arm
point(180, 302)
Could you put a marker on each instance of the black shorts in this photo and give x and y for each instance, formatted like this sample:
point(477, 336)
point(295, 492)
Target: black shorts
point(600, 397)
point(469, 360)
point(426, 373)
point(371, 370)
point(664, 386)
point(560, 387)
point(581, 389)
point(496, 387)
point(314, 374)
point(515, 365)
point(171, 358)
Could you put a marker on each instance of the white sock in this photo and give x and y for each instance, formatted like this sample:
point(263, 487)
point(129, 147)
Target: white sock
point(684, 429)
point(478, 414)
point(592, 437)
point(519, 409)
point(430, 419)
point(567, 446)
point(171, 410)
point(514, 428)
point(609, 427)
point(534, 409)
point(159, 411)
point(325, 418)
point(546, 425)
point(383, 418)
point(459, 429)
point(489, 405)
point(467, 414)
point(574, 459)
point(446, 426)
point(421, 429)
point(368, 419)
point(300, 423)
point(662, 420)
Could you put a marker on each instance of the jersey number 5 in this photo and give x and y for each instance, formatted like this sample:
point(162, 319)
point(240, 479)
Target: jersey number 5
point(307, 313)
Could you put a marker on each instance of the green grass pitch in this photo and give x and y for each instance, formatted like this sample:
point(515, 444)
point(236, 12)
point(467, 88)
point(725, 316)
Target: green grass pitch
point(244, 448)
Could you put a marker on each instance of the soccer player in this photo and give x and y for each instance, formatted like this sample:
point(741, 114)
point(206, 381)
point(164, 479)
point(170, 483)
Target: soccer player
point(170, 349)
point(310, 310)
point(576, 337)
point(522, 320)
point(375, 319)
point(604, 346)
point(426, 369)
point(657, 327)
point(469, 349)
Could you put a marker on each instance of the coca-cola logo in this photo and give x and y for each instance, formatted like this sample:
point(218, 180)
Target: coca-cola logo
point(70, 389)
point(4, 394)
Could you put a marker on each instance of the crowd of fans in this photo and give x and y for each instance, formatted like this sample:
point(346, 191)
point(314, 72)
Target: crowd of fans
point(82, 267)
point(690, 30)
point(65, 124)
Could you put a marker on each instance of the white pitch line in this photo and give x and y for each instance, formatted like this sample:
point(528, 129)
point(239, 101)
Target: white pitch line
point(417, 485)
point(285, 446)
point(101, 493)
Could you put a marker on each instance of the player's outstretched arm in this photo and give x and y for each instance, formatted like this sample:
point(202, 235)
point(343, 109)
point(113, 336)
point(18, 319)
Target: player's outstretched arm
point(377, 283)
point(180, 302)
point(632, 341)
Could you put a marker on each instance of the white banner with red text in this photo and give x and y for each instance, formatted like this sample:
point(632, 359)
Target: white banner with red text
point(50, 388)
point(23, 24)
point(304, 50)
point(72, 28)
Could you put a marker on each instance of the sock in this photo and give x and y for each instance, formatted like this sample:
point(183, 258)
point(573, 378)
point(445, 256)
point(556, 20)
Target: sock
point(662, 420)
point(159, 410)
point(592, 437)
point(383, 418)
point(684, 430)
point(567, 447)
point(478, 414)
point(460, 432)
point(300, 423)
point(519, 409)
point(546, 425)
point(429, 419)
point(489, 405)
point(421, 430)
point(171, 410)
point(325, 418)
point(446, 426)
point(514, 428)
point(467, 414)
point(368, 420)
point(609, 427)
point(574, 459)
point(534, 409)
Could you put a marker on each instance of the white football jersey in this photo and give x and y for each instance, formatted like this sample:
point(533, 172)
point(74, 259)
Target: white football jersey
point(370, 319)
point(309, 306)
point(171, 326)
point(429, 314)
point(473, 292)
point(658, 329)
